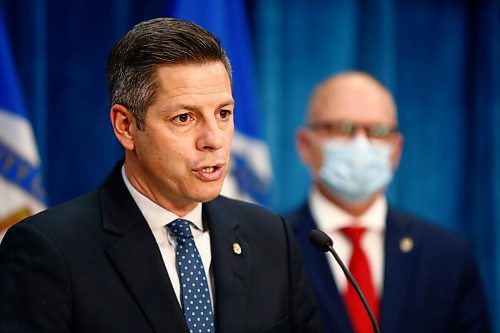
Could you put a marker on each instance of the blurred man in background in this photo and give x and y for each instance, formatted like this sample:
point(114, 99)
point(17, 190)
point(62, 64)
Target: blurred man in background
point(416, 277)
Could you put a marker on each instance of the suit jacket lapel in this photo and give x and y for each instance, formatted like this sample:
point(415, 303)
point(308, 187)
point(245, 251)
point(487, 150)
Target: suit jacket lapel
point(401, 251)
point(327, 295)
point(136, 257)
point(230, 269)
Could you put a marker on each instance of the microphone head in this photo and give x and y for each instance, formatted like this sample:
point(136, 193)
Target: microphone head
point(321, 240)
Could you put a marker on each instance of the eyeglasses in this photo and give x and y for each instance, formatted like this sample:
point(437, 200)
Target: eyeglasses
point(346, 129)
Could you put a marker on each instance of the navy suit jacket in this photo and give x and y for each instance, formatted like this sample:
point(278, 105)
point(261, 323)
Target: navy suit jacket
point(435, 287)
point(93, 265)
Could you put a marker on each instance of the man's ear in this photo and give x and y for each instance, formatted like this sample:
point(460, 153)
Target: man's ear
point(123, 123)
point(305, 148)
point(397, 150)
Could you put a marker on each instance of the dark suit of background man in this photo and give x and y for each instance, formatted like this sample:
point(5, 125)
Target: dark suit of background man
point(106, 262)
point(423, 278)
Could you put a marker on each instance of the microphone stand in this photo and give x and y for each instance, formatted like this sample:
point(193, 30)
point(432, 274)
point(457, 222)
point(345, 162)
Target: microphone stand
point(356, 287)
point(324, 243)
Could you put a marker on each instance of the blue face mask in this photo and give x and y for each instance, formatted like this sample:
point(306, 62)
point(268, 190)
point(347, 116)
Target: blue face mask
point(356, 169)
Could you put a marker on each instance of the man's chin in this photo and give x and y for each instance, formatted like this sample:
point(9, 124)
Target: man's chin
point(209, 194)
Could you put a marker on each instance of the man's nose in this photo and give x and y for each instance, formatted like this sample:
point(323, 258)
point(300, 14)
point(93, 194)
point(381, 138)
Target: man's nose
point(360, 131)
point(211, 136)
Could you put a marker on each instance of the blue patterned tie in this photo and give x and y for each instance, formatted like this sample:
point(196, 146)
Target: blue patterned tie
point(194, 284)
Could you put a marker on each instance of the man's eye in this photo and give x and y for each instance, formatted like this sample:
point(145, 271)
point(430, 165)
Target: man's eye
point(224, 113)
point(347, 127)
point(182, 118)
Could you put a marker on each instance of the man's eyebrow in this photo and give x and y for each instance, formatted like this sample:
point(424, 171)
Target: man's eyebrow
point(195, 107)
point(229, 102)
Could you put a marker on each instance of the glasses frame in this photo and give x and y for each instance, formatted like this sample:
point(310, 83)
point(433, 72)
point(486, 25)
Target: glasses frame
point(345, 129)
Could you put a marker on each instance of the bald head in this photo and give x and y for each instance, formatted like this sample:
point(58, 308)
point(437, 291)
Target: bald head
point(353, 96)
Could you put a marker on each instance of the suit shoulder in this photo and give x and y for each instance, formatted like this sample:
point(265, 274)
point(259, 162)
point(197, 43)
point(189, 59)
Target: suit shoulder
point(427, 231)
point(297, 214)
point(58, 218)
point(243, 208)
point(250, 217)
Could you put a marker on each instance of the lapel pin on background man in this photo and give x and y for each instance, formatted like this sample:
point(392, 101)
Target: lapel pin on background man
point(156, 248)
point(415, 276)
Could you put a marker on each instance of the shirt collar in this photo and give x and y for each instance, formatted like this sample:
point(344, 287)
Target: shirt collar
point(330, 217)
point(157, 216)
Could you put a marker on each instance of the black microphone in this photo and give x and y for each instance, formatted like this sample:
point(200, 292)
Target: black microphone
point(325, 244)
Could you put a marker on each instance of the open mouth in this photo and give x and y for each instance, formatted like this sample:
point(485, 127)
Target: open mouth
point(210, 173)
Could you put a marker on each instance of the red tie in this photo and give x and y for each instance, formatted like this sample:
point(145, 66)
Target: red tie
point(360, 269)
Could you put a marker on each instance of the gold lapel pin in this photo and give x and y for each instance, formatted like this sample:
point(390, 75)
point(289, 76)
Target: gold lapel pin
point(236, 248)
point(406, 244)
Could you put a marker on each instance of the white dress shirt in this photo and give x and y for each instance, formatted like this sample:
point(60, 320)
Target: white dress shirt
point(331, 218)
point(158, 218)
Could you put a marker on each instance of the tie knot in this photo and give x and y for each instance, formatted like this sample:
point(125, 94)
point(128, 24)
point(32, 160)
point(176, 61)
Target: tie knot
point(180, 228)
point(353, 233)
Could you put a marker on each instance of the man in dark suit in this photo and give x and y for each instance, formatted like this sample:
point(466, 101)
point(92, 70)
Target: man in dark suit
point(155, 248)
point(416, 277)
